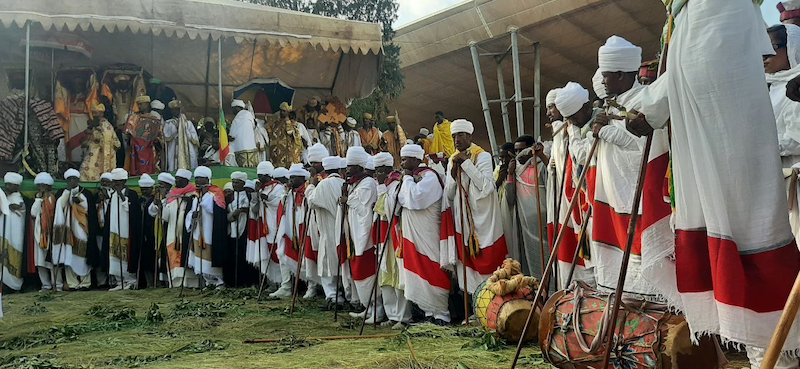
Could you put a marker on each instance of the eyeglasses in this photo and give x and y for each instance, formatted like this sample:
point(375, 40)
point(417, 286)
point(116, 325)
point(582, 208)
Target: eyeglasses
point(778, 46)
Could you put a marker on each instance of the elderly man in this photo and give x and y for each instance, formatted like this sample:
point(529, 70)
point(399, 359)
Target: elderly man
point(296, 238)
point(144, 132)
point(473, 212)
point(75, 231)
point(370, 136)
point(242, 136)
point(123, 232)
point(14, 217)
point(101, 146)
point(264, 230)
point(287, 138)
point(207, 224)
point(40, 245)
point(174, 210)
point(350, 137)
point(237, 269)
point(146, 258)
point(393, 139)
point(182, 141)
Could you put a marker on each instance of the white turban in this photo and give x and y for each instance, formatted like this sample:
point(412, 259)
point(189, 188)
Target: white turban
point(238, 103)
point(228, 187)
point(146, 181)
point(297, 170)
point(202, 171)
point(166, 178)
point(370, 163)
point(551, 97)
point(342, 163)
point(280, 172)
point(412, 151)
point(119, 174)
point(409, 141)
point(598, 86)
point(461, 125)
point(424, 131)
point(242, 176)
point(183, 173)
point(74, 173)
point(571, 98)
point(357, 156)
point(251, 184)
point(384, 159)
point(157, 105)
point(13, 178)
point(619, 55)
point(351, 122)
point(331, 163)
point(105, 175)
point(265, 168)
point(317, 152)
point(43, 178)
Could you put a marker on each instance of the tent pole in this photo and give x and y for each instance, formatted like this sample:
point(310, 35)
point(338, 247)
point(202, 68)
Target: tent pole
point(517, 82)
point(537, 91)
point(27, 84)
point(219, 73)
point(52, 74)
point(208, 74)
point(501, 85)
point(487, 115)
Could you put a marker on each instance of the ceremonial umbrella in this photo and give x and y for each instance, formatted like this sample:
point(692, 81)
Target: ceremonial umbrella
point(266, 94)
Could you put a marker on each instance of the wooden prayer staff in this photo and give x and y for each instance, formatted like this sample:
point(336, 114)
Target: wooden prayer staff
point(581, 238)
point(327, 338)
point(119, 240)
point(344, 241)
point(185, 256)
point(557, 200)
point(464, 202)
point(301, 256)
point(553, 254)
point(627, 256)
point(539, 206)
point(784, 325)
point(259, 230)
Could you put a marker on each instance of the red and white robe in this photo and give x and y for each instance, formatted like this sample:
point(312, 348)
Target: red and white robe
point(361, 265)
point(175, 208)
point(323, 199)
point(426, 283)
point(391, 278)
point(477, 180)
point(294, 222)
point(264, 230)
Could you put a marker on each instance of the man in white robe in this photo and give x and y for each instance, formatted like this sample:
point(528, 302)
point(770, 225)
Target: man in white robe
point(182, 140)
point(206, 223)
point(735, 255)
point(238, 214)
point(123, 236)
point(262, 140)
point(472, 211)
point(42, 212)
point(316, 153)
point(265, 230)
point(387, 214)
point(323, 194)
point(13, 221)
point(362, 258)
point(71, 233)
point(242, 136)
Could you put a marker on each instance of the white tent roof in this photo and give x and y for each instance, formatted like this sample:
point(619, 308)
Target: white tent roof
point(172, 40)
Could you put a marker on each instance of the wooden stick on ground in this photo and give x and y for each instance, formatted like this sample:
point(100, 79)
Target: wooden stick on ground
point(302, 251)
point(539, 207)
point(464, 241)
point(326, 338)
point(784, 325)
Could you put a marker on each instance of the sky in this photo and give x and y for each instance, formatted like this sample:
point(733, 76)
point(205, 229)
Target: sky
point(411, 10)
point(770, 13)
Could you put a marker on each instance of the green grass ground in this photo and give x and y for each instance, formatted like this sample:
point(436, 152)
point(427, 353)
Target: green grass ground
point(124, 329)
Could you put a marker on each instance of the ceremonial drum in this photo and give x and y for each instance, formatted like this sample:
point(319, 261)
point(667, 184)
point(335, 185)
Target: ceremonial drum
point(573, 324)
point(506, 315)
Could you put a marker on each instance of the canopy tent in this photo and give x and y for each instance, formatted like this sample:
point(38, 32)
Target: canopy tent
point(179, 41)
point(266, 94)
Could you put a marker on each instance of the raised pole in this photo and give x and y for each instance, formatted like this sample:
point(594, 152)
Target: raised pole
point(517, 80)
point(487, 116)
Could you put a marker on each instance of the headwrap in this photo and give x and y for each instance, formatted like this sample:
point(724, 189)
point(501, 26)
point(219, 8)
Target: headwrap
point(13, 178)
point(370, 163)
point(157, 105)
point(142, 99)
point(331, 163)
point(265, 168)
point(43, 178)
point(598, 86)
point(228, 187)
point(424, 131)
point(461, 125)
point(571, 98)
point(367, 116)
point(175, 104)
point(119, 174)
point(317, 152)
point(342, 163)
point(312, 102)
point(357, 156)
point(155, 80)
point(280, 172)
point(203, 172)
point(619, 55)
point(251, 184)
point(351, 122)
point(239, 103)
point(551, 97)
point(241, 176)
point(183, 173)
point(74, 173)
point(412, 151)
point(391, 119)
point(384, 159)
point(121, 77)
point(789, 9)
point(285, 106)
point(166, 178)
point(145, 181)
point(98, 107)
point(297, 170)
point(105, 175)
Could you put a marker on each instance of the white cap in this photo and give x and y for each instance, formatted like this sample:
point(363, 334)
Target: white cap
point(317, 152)
point(202, 171)
point(105, 175)
point(239, 103)
point(43, 178)
point(119, 174)
point(384, 159)
point(184, 173)
point(412, 151)
point(74, 173)
point(280, 172)
point(342, 163)
point(145, 181)
point(13, 178)
point(357, 156)
point(166, 178)
point(297, 170)
point(551, 96)
point(331, 163)
point(571, 98)
point(424, 131)
point(370, 164)
point(237, 175)
point(461, 125)
point(265, 168)
point(228, 187)
point(251, 184)
point(619, 55)
point(157, 105)
point(351, 122)
point(598, 86)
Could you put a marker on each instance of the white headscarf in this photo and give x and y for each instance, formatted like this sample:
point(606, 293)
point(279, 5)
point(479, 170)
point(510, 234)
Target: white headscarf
point(551, 97)
point(43, 178)
point(412, 151)
point(571, 98)
point(598, 86)
point(119, 174)
point(74, 173)
point(166, 178)
point(203, 172)
point(331, 162)
point(461, 125)
point(146, 181)
point(317, 152)
point(357, 156)
point(183, 173)
point(384, 159)
point(619, 55)
point(265, 168)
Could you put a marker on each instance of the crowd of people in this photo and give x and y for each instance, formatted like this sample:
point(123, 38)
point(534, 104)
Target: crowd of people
point(362, 216)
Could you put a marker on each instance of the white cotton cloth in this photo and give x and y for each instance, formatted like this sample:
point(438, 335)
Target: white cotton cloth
point(297, 170)
point(351, 122)
point(412, 151)
point(13, 178)
point(119, 174)
point(461, 125)
point(251, 184)
point(241, 176)
point(265, 168)
point(43, 178)
point(571, 98)
point(787, 112)
point(619, 55)
point(202, 171)
point(331, 162)
point(598, 86)
point(243, 130)
point(184, 173)
point(102, 176)
point(74, 173)
point(280, 172)
point(384, 159)
point(238, 103)
point(146, 181)
point(317, 152)
point(324, 200)
point(166, 178)
point(357, 156)
point(550, 98)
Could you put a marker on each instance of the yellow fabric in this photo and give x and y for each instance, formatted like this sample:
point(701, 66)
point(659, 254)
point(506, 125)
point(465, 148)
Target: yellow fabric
point(474, 150)
point(12, 258)
point(101, 153)
point(443, 139)
point(118, 247)
point(394, 141)
point(427, 145)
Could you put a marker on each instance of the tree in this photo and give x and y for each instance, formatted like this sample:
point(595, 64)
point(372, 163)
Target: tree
point(383, 12)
